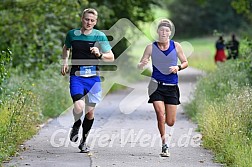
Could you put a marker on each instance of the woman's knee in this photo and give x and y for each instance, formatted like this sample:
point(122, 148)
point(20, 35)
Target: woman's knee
point(170, 122)
point(161, 117)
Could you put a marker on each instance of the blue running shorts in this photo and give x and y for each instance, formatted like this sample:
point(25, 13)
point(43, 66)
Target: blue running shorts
point(88, 87)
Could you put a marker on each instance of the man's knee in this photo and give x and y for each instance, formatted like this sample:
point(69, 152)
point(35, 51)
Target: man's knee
point(89, 116)
point(89, 112)
point(79, 106)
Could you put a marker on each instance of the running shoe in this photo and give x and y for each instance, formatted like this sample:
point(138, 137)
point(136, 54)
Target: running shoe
point(75, 131)
point(83, 147)
point(165, 151)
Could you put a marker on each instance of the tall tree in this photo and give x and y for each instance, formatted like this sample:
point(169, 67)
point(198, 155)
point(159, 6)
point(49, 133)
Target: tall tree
point(195, 18)
point(243, 7)
point(35, 30)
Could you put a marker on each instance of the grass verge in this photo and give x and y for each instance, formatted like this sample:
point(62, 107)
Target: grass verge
point(222, 107)
point(27, 102)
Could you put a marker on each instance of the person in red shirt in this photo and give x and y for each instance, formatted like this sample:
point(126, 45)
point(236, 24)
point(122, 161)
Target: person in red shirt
point(220, 55)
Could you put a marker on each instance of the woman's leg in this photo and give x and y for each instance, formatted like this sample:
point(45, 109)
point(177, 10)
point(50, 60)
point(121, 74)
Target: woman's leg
point(159, 107)
point(170, 114)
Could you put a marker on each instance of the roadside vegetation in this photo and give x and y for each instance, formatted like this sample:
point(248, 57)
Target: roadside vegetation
point(28, 101)
point(222, 107)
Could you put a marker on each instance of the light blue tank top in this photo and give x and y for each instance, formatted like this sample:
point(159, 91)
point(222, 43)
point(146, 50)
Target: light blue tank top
point(161, 61)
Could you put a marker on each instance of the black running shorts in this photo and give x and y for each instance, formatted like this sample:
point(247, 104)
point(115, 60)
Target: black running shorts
point(169, 94)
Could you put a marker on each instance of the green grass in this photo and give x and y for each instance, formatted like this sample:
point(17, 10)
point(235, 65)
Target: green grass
point(203, 55)
point(226, 128)
point(18, 121)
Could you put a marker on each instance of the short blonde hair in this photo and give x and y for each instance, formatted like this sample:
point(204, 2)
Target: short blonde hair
point(166, 23)
point(90, 10)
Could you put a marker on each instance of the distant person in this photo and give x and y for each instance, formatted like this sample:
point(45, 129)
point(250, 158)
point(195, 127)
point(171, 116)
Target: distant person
point(163, 88)
point(220, 55)
point(233, 48)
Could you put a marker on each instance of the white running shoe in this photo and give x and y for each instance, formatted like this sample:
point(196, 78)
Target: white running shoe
point(84, 148)
point(165, 151)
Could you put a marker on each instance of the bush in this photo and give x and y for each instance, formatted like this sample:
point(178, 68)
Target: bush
point(5, 58)
point(246, 58)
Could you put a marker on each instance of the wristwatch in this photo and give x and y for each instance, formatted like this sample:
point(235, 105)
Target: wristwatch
point(179, 67)
point(100, 56)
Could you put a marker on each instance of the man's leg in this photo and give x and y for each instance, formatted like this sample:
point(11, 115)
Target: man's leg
point(91, 99)
point(86, 125)
point(77, 113)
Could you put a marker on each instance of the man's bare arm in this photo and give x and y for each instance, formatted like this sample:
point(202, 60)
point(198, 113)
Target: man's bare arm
point(65, 57)
point(108, 56)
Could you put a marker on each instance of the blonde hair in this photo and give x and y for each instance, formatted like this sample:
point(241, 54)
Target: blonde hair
point(166, 23)
point(90, 10)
